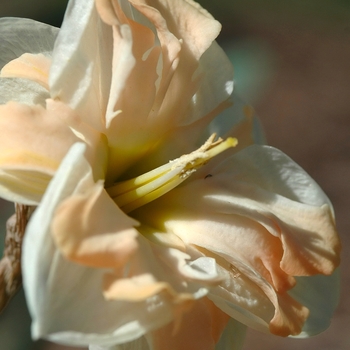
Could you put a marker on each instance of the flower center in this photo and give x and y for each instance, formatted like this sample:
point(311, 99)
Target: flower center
point(134, 193)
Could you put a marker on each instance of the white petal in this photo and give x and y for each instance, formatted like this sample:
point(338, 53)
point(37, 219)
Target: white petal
point(203, 268)
point(320, 294)
point(216, 72)
point(41, 247)
point(233, 336)
point(65, 299)
point(19, 36)
point(275, 170)
point(22, 91)
point(81, 67)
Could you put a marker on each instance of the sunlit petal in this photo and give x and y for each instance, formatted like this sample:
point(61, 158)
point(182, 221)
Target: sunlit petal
point(153, 227)
point(80, 74)
point(33, 67)
point(66, 317)
point(261, 196)
point(32, 146)
point(83, 238)
point(20, 35)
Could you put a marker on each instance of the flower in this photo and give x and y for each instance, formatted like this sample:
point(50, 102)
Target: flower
point(126, 247)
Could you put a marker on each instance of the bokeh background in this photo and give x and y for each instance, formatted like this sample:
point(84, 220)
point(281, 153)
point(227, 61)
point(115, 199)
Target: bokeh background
point(292, 63)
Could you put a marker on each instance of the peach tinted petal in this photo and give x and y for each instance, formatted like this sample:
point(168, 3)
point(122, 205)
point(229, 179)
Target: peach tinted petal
point(160, 270)
point(32, 137)
point(185, 32)
point(321, 295)
point(156, 72)
point(29, 66)
point(289, 317)
point(90, 229)
point(199, 329)
point(81, 315)
point(97, 150)
point(272, 189)
point(250, 198)
point(32, 145)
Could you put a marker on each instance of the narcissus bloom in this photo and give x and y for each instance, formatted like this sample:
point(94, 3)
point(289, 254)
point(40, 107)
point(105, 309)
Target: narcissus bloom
point(150, 230)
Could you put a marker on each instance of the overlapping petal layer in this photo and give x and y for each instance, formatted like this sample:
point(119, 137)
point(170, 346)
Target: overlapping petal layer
point(158, 283)
point(20, 36)
point(32, 145)
point(141, 83)
point(248, 200)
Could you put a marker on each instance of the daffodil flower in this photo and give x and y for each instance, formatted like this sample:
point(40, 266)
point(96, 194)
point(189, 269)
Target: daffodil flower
point(154, 229)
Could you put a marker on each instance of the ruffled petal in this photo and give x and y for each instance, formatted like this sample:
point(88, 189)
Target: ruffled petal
point(288, 203)
point(149, 73)
point(33, 143)
point(157, 269)
point(97, 150)
point(90, 229)
point(258, 195)
point(20, 35)
point(189, 58)
point(80, 74)
point(81, 315)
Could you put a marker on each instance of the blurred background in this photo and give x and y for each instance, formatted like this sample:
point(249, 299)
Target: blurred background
point(292, 63)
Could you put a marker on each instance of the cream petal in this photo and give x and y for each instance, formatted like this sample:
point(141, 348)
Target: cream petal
point(29, 66)
point(32, 144)
point(289, 204)
point(23, 186)
point(20, 35)
point(133, 86)
point(80, 316)
point(197, 63)
point(242, 300)
point(248, 297)
point(97, 151)
point(80, 74)
point(22, 91)
point(157, 269)
point(90, 229)
point(158, 70)
point(266, 199)
point(199, 328)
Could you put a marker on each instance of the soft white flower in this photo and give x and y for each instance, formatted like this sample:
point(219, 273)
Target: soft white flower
point(125, 247)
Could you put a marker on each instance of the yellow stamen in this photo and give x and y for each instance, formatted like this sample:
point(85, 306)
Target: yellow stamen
point(132, 194)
